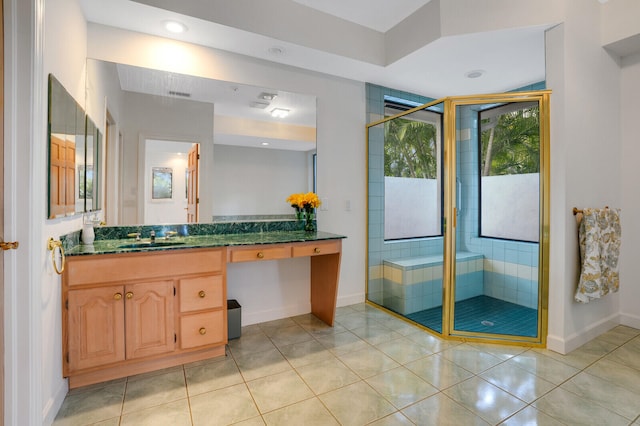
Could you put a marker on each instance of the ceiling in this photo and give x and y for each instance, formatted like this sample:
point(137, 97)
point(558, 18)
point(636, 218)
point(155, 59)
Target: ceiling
point(344, 38)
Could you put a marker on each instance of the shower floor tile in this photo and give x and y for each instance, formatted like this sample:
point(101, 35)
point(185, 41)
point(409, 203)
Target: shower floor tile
point(484, 314)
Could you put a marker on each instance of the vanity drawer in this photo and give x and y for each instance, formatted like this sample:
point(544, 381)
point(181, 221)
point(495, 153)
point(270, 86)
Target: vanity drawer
point(253, 253)
point(317, 248)
point(201, 293)
point(107, 268)
point(202, 329)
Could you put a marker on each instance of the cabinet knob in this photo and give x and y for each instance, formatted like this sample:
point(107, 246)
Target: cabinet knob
point(129, 295)
point(202, 293)
point(117, 296)
point(260, 255)
point(316, 250)
point(203, 331)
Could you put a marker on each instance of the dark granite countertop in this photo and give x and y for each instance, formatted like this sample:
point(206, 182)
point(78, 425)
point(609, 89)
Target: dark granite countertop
point(129, 245)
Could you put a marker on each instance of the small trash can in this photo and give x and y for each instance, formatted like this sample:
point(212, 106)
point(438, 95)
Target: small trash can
point(233, 319)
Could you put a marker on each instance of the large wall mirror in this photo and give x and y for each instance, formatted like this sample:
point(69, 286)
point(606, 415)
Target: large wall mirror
point(182, 148)
point(74, 165)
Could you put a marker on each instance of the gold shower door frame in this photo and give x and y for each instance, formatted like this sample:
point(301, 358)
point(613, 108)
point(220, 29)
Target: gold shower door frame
point(450, 217)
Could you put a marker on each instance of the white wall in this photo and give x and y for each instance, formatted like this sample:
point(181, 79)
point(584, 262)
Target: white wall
point(254, 181)
point(64, 56)
point(170, 210)
point(585, 164)
point(630, 267)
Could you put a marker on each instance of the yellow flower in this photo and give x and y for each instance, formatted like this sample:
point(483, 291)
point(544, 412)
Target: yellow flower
point(306, 201)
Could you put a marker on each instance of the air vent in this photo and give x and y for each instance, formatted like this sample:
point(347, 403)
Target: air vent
point(259, 105)
point(181, 94)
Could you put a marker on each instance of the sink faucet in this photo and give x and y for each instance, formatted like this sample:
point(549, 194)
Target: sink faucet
point(135, 235)
point(169, 234)
point(152, 236)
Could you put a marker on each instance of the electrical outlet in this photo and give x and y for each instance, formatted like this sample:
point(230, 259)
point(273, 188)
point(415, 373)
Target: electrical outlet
point(325, 204)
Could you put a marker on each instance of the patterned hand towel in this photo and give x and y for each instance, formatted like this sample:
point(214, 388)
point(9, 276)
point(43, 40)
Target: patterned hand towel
point(599, 236)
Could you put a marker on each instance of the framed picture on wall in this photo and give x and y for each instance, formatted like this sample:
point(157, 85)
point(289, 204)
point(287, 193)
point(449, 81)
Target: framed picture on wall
point(161, 183)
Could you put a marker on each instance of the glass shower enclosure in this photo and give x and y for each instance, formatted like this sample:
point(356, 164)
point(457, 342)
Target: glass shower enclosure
point(458, 195)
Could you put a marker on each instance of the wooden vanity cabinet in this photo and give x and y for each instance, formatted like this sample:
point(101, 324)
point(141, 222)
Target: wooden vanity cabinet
point(125, 314)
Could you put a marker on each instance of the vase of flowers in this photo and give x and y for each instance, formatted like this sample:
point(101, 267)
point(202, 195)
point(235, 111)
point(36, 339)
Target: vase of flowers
point(305, 205)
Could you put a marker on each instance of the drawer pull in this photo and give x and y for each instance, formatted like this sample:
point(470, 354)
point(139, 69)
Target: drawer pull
point(202, 293)
point(316, 250)
point(260, 255)
point(129, 295)
point(117, 296)
point(203, 331)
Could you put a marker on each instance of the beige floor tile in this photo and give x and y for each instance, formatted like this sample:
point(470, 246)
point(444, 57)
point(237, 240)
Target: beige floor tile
point(470, 358)
point(212, 376)
point(570, 409)
point(300, 354)
point(356, 404)
point(260, 364)
point(254, 421)
point(224, 406)
point(518, 382)
point(530, 416)
point(356, 320)
point(442, 411)
point(503, 352)
point(110, 422)
point(289, 335)
point(403, 350)
point(257, 342)
point(610, 395)
point(91, 406)
point(485, 400)
point(375, 334)
point(342, 343)
point(619, 335)
point(175, 413)
point(401, 387)
point(310, 412)
point(278, 390)
point(395, 419)
point(368, 362)
point(439, 371)
point(327, 375)
point(543, 366)
point(154, 390)
point(583, 356)
point(432, 343)
point(606, 369)
point(627, 354)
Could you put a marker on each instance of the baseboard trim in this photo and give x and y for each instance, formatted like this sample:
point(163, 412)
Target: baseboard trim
point(580, 337)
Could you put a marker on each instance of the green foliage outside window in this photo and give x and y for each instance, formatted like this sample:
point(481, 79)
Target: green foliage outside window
point(410, 149)
point(511, 142)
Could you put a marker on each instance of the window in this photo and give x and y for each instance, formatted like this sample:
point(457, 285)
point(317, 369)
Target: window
point(509, 140)
point(413, 176)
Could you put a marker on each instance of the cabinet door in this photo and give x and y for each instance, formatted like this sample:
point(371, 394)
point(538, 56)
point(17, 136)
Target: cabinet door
point(96, 327)
point(150, 323)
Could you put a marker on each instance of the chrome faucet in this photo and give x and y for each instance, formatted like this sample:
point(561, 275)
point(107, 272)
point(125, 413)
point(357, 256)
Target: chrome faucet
point(152, 236)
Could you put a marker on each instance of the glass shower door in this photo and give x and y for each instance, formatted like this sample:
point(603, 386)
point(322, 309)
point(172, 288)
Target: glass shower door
point(497, 195)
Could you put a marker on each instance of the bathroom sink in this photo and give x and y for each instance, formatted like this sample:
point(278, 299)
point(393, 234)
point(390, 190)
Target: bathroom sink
point(149, 244)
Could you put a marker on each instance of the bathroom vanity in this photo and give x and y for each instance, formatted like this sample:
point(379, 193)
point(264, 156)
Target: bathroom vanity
point(133, 307)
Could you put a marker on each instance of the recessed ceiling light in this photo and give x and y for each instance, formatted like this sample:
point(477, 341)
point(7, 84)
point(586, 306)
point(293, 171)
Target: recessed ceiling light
point(265, 143)
point(175, 27)
point(276, 50)
point(267, 96)
point(279, 112)
point(474, 73)
point(259, 105)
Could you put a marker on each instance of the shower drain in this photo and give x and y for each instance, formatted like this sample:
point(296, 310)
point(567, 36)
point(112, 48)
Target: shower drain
point(487, 323)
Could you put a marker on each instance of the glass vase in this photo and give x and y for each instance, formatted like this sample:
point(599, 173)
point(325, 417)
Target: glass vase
point(310, 222)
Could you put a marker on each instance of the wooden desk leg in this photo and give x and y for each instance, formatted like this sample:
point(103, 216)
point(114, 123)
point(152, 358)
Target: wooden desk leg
point(325, 272)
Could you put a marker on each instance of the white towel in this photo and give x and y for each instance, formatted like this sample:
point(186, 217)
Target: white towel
point(599, 252)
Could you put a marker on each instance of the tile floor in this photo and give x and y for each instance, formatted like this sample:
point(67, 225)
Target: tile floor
point(372, 368)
